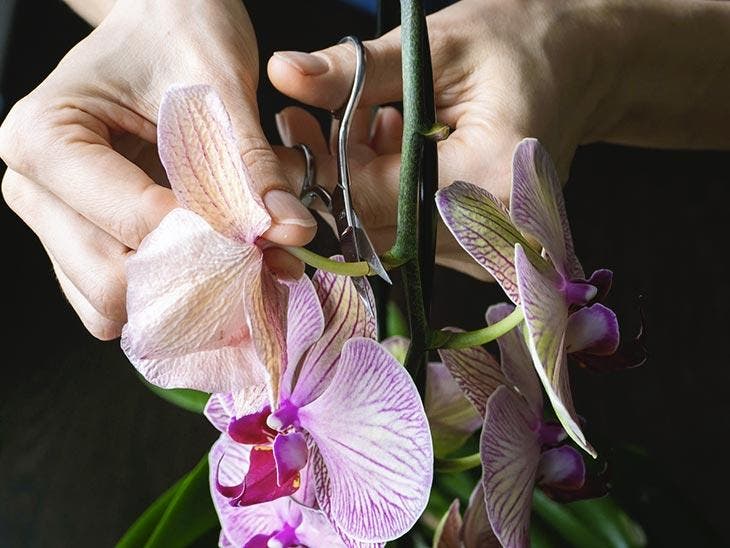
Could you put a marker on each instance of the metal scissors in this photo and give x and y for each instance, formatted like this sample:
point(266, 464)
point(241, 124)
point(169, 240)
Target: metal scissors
point(354, 241)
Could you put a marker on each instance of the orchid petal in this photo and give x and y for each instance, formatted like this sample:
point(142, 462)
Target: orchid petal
point(451, 416)
point(220, 410)
point(601, 279)
point(323, 488)
point(305, 325)
point(481, 225)
point(371, 430)
point(251, 429)
point(265, 300)
point(510, 457)
point(476, 531)
point(515, 358)
point(345, 316)
point(593, 329)
point(537, 207)
point(185, 306)
point(475, 371)
point(562, 468)
point(315, 530)
point(546, 317)
point(397, 347)
point(260, 483)
point(203, 161)
point(290, 455)
point(448, 531)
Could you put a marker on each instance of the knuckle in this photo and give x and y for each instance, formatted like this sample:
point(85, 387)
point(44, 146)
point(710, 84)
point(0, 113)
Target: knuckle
point(101, 328)
point(261, 161)
point(107, 293)
point(16, 146)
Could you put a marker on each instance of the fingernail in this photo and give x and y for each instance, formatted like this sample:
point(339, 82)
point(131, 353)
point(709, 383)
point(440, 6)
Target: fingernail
point(283, 128)
point(285, 209)
point(306, 63)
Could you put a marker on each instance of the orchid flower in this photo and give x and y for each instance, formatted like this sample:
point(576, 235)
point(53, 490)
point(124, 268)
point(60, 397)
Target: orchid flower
point(559, 303)
point(519, 449)
point(349, 434)
point(281, 522)
point(451, 416)
point(203, 310)
point(471, 531)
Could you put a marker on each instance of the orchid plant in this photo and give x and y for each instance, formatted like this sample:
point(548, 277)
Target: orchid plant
point(328, 436)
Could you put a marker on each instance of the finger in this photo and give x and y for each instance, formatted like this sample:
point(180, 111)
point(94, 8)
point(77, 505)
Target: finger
point(359, 130)
point(387, 133)
point(92, 260)
point(324, 78)
point(68, 152)
point(296, 125)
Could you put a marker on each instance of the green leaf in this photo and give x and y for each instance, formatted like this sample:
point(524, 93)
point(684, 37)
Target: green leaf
point(395, 323)
point(604, 516)
point(190, 400)
point(180, 516)
point(571, 529)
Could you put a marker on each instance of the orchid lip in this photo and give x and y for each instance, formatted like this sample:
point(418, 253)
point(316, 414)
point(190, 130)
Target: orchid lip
point(287, 415)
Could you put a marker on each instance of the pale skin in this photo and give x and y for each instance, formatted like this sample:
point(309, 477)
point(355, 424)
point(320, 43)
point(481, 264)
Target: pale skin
point(654, 73)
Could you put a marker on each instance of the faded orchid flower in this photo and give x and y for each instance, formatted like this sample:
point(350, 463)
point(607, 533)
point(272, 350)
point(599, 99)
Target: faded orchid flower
point(203, 310)
point(451, 416)
point(470, 531)
point(519, 449)
point(281, 522)
point(349, 434)
point(559, 304)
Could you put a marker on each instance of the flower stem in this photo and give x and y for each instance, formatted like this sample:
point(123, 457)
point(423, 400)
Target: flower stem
point(458, 464)
point(467, 339)
point(356, 269)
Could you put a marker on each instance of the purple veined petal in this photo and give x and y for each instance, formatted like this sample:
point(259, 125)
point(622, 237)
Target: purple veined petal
point(251, 429)
point(185, 307)
point(537, 207)
point(476, 532)
point(345, 316)
point(203, 161)
point(451, 416)
point(475, 371)
point(593, 329)
point(323, 489)
point(397, 346)
point(251, 398)
point(546, 318)
point(266, 302)
point(510, 457)
point(601, 279)
point(315, 530)
point(228, 462)
point(448, 532)
point(220, 410)
point(515, 358)
point(290, 455)
point(223, 541)
point(371, 430)
point(305, 325)
point(482, 226)
point(561, 468)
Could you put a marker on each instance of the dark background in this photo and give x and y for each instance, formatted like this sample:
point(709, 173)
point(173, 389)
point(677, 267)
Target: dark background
point(84, 447)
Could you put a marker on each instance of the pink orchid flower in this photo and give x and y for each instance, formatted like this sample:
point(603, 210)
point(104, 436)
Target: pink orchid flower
point(559, 303)
point(349, 434)
point(470, 531)
point(203, 310)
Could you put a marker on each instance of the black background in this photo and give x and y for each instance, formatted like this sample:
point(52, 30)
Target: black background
point(84, 447)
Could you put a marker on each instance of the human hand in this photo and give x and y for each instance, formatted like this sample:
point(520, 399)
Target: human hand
point(83, 169)
point(503, 71)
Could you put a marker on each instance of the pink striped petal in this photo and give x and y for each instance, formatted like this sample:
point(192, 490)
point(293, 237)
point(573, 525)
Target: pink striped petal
point(220, 411)
point(305, 324)
point(345, 316)
point(448, 532)
point(515, 358)
point(203, 163)
point(510, 457)
point(323, 488)
point(593, 329)
point(546, 317)
point(537, 207)
point(481, 225)
point(477, 531)
point(371, 430)
point(475, 371)
point(451, 416)
point(315, 530)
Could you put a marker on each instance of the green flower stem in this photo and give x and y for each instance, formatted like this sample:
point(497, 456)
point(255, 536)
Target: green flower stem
point(571, 529)
point(460, 464)
point(467, 339)
point(356, 269)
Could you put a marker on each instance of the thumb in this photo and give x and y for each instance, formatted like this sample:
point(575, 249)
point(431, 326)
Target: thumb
point(324, 78)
